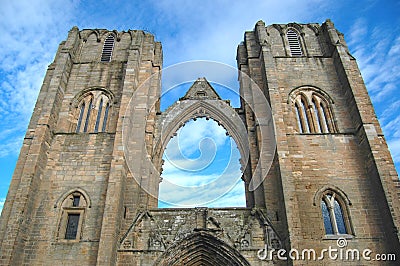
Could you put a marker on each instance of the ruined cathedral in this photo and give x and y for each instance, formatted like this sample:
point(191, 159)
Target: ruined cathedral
point(316, 169)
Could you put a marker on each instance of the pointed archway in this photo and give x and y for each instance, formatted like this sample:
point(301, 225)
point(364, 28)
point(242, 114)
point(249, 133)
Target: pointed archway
point(202, 101)
point(203, 249)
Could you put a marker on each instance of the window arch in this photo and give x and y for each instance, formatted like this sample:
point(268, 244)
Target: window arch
point(73, 209)
point(335, 214)
point(108, 49)
point(92, 111)
point(85, 108)
point(294, 43)
point(313, 110)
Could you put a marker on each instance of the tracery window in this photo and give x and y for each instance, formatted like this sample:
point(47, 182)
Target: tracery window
point(108, 49)
point(92, 112)
point(73, 210)
point(294, 43)
point(334, 214)
point(313, 111)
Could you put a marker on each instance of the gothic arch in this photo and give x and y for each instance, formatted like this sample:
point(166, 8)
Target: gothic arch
point(90, 110)
point(318, 195)
point(83, 93)
point(86, 35)
point(294, 92)
point(69, 192)
point(201, 249)
point(318, 109)
point(182, 111)
point(296, 26)
point(334, 195)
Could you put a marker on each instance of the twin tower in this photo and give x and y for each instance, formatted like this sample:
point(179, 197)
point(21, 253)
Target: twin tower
point(319, 179)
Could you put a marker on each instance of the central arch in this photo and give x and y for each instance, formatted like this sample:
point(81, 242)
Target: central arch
point(201, 101)
point(201, 248)
point(183, 111)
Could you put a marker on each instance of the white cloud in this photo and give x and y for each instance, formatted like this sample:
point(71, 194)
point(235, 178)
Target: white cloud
point(31, 31)
point(222, 191)
point(394, 146)
point(211, 30)
point(2, 201)
point(195, 145)
point(377, 50)
point(186, 182)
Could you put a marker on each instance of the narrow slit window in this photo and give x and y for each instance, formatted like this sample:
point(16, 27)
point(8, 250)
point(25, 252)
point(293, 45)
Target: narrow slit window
point(341, 227)
point(72, 226)
point(305, 117)
point(327, 218)
point(326, 127)
point(294, 43)
point(96, 128)
point(319, 128)
point(105, 117)
point(78, 127)
point(88, 117)
point(299, 120)
point(75, 202)
point(108, 49)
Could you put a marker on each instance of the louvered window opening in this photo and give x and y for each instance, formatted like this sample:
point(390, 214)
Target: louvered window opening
point(294, 43)
point(107, 49)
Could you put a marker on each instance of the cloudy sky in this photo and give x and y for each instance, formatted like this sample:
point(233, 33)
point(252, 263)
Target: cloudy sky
point(189, 30)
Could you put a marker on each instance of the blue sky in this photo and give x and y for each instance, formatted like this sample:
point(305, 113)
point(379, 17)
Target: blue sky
point(189, 30)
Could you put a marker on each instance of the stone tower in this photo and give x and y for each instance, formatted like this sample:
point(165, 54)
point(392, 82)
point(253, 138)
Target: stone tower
point(316, 168)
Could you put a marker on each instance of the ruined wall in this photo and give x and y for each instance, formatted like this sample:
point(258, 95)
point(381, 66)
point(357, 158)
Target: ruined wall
point(61, 161)
point(344, 159)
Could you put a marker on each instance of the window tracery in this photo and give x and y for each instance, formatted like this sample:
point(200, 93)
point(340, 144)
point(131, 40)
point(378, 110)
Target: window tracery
point(312, 111)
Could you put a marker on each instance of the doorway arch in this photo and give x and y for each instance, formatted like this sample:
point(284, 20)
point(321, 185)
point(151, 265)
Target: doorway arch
point(201, 248)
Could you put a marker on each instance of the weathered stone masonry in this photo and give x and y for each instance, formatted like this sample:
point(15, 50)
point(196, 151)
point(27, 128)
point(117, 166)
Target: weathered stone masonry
point(73, 198)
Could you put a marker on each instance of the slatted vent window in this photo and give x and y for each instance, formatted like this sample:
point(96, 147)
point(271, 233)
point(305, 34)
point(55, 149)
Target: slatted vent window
point(294, 43)
point(107, 49)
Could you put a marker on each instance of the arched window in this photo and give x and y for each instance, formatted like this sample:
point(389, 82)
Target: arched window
point(87, 121)
point(318, 128)
point(84, 114)
point(105, 117)
point(315, 117)
point(294, 43)
point(334, 214)
point(81, 112)
point(298, 117)
point(73, 210)
point(92, 112)
point(304, 116)
point(107, 49)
